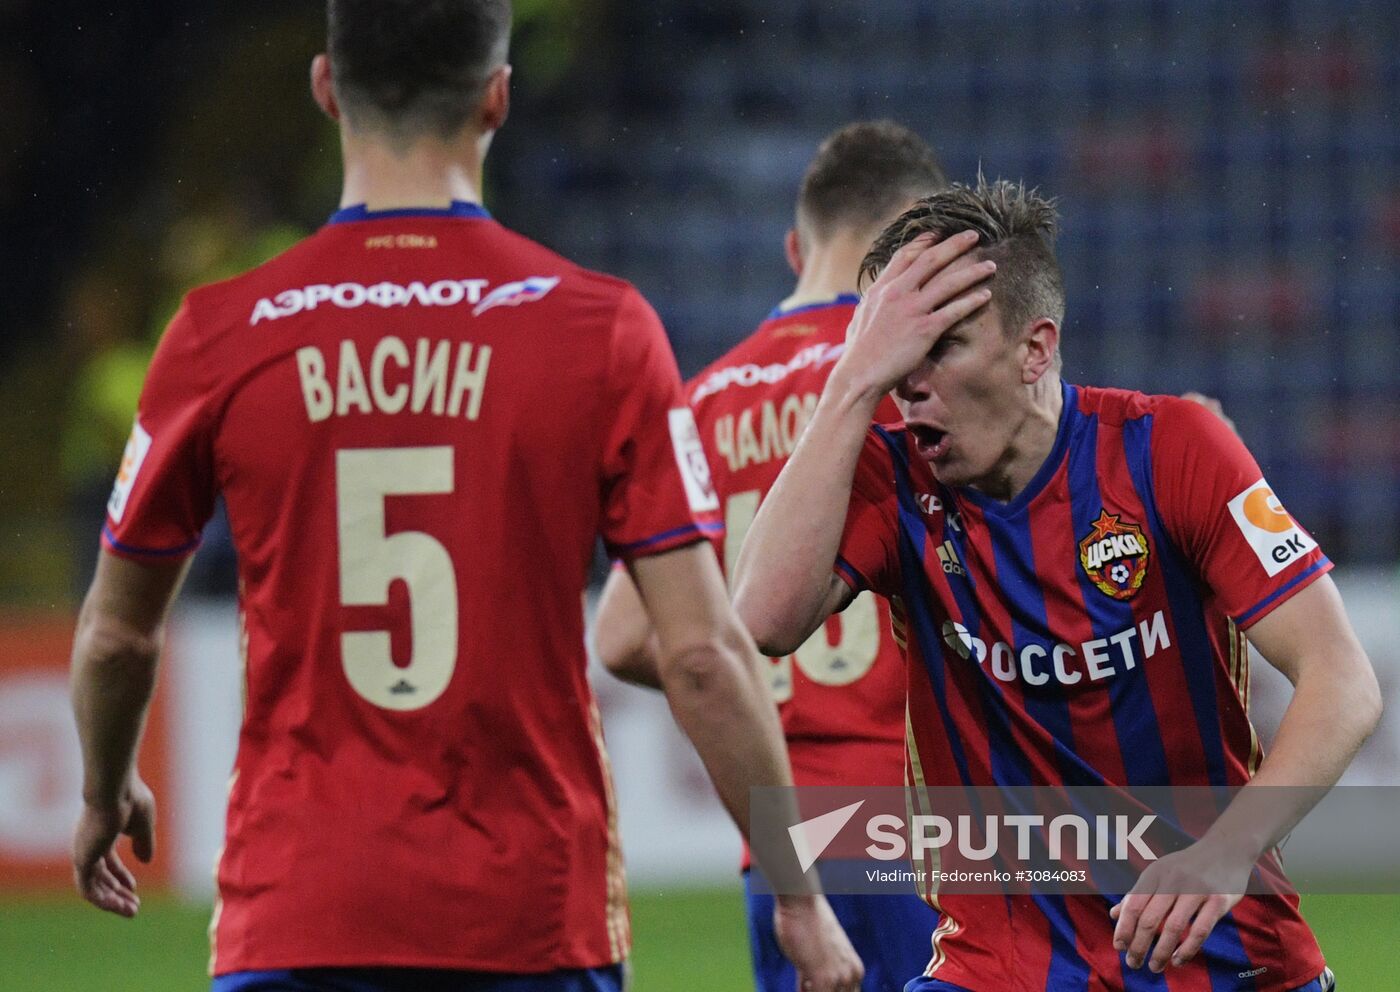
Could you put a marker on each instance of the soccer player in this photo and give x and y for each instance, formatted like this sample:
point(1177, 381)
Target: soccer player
point(1076, 568)
point(419, 422)
point(841, 696)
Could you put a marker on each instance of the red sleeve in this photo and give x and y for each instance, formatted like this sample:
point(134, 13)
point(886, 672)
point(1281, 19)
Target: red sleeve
point(869, 556)
point(165, 489)
point(657, 492)
point(1222, 514)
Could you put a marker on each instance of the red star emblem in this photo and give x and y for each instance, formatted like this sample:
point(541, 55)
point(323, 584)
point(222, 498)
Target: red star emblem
point(1108, 523)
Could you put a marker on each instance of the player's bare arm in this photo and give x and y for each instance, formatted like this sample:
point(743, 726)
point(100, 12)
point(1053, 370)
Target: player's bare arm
point(115, 653)
point(710, 672)
point(1336, 705)
point(783, 581)
point(623, 639)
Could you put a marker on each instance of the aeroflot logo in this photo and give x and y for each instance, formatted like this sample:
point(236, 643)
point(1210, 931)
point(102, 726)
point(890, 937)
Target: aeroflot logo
point(442, 293)
point(512, 294)
point(1067, 664)
point(811, 357)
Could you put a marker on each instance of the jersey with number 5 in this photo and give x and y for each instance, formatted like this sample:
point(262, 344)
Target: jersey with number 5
point(420, 422)
point(841, 695)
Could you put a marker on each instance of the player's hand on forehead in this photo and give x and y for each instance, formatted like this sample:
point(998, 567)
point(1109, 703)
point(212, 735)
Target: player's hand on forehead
point(921, 293)
point(923, 256)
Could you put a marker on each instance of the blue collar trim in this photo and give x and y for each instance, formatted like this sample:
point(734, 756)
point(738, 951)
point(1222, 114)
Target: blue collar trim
point(845, 299)
point(1068, 413)
point(458, 208)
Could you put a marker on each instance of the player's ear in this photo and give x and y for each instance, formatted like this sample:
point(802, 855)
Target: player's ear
point(495, 101)
point(792, 247)
point(323, 87)
point(1042, 344)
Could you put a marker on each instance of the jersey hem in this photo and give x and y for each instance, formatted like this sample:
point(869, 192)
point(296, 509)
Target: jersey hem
point(1284, 593)
point(110, 542)
point(544, 967)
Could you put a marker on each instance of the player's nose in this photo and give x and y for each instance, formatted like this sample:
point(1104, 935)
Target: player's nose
point(914, 386)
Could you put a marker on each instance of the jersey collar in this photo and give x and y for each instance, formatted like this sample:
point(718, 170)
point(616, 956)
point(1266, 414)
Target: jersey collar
point(458, 208)
point(845, 299)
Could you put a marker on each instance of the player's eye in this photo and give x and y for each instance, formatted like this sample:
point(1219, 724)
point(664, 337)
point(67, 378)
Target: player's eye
point(941, 346)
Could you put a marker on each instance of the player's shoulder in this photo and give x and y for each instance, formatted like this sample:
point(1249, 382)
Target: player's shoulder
point(580, 300)
point(1182, 435)
point(212, 299)
point(577, 283)
point(1116, 407)
point(784, 343)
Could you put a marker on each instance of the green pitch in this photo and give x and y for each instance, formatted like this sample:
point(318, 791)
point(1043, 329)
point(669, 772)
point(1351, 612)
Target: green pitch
point(685, 941)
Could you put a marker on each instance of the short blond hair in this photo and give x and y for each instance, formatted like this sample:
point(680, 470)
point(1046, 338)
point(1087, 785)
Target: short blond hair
point(1016, 228)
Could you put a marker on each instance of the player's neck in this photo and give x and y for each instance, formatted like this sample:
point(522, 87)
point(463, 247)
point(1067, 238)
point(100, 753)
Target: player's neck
point(426, 173)
point(1031, 443)
point(829, 269)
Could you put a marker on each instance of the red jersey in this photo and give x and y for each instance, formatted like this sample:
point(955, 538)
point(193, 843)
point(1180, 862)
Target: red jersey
point(420, 422)
point(1089, 632)
point(841, 695)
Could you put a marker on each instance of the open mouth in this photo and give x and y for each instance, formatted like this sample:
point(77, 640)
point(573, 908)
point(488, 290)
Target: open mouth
point(931, 442)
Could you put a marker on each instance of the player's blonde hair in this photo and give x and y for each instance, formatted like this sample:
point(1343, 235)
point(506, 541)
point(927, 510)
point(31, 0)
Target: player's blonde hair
point(1016, 228)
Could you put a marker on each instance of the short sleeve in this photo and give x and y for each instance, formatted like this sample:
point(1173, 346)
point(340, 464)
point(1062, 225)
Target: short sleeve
point(1225, 517)
point(869, 557)
point(165, 488)
point(657, 491)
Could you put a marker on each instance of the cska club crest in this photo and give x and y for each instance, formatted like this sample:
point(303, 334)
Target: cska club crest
point(1114, 555)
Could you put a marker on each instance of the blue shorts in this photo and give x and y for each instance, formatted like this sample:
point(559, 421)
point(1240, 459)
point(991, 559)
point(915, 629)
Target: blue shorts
point(417, 980)
point(892, 934)
point(1322, 983)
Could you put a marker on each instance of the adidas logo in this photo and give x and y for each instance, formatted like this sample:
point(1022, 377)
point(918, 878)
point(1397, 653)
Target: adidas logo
point(948, 555)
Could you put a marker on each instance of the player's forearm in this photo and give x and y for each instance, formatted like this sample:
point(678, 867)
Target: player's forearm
point(623, 638)
point(1327, 721)
point(783, 573)
point(711, 673)
point(720, 700)
point(722, 704)
point(113, 678)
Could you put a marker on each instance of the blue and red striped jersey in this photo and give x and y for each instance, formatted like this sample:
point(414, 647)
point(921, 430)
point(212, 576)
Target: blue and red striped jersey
point(1088, 632)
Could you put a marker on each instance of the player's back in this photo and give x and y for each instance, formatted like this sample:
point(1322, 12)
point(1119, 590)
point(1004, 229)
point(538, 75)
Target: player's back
point(842, 693)
point(419, 422)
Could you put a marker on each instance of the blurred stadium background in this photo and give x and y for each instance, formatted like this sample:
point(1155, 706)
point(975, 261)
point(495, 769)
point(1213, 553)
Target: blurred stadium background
point(1230, 179)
